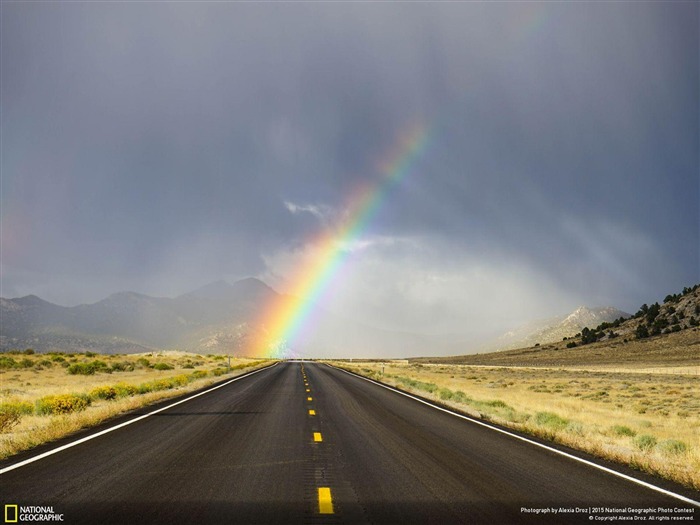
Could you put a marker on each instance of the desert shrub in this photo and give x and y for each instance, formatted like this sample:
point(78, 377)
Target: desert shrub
point(551, 420)
point(8, 419)
point(162, 366)
point(163, 384)
point(672, 447)
point(622, 430)
point(88, 369)
point(104, 392)
point(23, 408)
point(575, 428)
point(188, 365)
point(180, 380)
point(90, 354)
point(446, 394)
point(144, 388)
point(143, 362)
point(645, 442)
point(497, 403)
point(28, 351)
point(460, 397)
point(58, 359)
point(198, 374)
point(122, 366)
point(62, 404)
point(219, 371)
point(11, 414)
point(418, 385)
point(7, 362)
point(126, 390)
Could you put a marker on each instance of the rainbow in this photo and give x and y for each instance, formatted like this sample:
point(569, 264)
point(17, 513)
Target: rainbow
point(282, 321)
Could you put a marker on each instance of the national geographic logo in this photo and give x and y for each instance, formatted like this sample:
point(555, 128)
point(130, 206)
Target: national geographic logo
point(25, 514)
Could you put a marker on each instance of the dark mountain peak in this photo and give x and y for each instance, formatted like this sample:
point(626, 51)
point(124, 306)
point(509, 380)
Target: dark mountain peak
point(252, 284)
point(249, 288)
point(214, 290)
point(31, 301)
point(127, 296)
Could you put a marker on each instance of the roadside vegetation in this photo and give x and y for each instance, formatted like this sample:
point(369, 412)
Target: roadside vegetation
point(650, 421)
point(46, 396)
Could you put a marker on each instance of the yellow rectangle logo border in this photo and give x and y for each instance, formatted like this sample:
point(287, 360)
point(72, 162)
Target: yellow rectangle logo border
point(7, 517)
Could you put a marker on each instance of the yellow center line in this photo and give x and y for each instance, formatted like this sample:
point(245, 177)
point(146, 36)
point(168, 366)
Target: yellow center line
point(309, 398)
point(317, 437)
point(312, 412)
point(308, 390)
point(325, 502)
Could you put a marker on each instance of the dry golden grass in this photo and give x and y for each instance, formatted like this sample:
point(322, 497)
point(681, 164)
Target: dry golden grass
point(680, 349)
point(648, 421)
point(47, 375)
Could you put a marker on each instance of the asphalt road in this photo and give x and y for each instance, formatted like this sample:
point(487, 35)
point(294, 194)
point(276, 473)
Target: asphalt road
point(264, 450)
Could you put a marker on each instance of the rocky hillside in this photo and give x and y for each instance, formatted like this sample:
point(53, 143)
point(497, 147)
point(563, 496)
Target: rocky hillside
point(660, 335)
point(678, 312)
point(556, 328)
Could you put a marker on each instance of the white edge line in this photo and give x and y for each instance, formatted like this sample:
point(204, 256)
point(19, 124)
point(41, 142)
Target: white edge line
point(116, 427)
point(532, 442)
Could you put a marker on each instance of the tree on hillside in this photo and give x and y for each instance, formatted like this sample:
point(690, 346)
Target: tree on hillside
point(641, 332)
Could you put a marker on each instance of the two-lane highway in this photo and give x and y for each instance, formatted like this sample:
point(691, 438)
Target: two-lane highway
point(307, 443)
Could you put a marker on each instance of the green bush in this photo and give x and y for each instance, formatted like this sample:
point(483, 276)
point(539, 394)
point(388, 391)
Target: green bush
point(551, 420)
point(418, 385)
point(62, 404)
point(198, 374)
point(122, 366)
point(162, 366)
point(498, 404)
point(88, 369)
point(645, 442)
point(143, 362)
point(7, 362)
point(446, 394)
point(460, 397)
point(621, 430)
point(672, 447)
point(28, 351)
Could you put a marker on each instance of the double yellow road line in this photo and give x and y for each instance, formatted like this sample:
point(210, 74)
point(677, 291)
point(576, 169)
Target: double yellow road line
point(325, 499)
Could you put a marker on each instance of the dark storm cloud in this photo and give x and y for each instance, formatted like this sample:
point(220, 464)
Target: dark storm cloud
point(159, 146)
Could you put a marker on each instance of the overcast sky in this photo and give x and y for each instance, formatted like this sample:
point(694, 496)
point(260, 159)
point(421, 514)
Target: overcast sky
point(159, 146)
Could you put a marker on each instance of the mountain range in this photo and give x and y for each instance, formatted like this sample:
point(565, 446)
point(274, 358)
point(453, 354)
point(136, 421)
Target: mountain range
point(224, 318)
point(217, 318)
